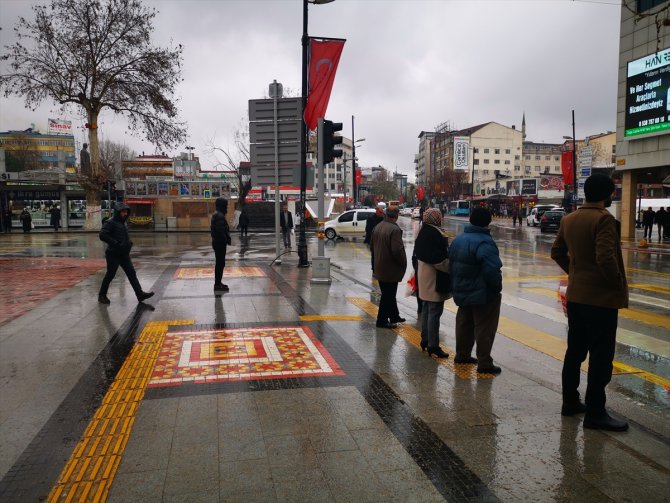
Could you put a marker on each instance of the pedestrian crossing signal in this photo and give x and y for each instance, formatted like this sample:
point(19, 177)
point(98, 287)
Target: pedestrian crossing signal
point(328, 140)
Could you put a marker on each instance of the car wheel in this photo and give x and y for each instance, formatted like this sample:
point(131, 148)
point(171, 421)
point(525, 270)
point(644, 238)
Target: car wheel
point(330, 233)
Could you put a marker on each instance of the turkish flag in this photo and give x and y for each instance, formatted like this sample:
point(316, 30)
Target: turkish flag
point(358, 177)
point(324, 56)
point(419, 193)
point(566, 167)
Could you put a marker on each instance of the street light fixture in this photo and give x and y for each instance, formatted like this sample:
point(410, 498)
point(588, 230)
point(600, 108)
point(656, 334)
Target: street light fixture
point(302, 239)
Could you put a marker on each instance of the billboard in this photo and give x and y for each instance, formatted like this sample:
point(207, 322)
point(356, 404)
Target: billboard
point(529, 187)
point(513, 187)
point(647, 87)
point(57, 126)
point(461, 146)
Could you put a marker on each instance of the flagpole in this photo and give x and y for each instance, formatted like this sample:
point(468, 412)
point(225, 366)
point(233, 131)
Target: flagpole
point(302, 238)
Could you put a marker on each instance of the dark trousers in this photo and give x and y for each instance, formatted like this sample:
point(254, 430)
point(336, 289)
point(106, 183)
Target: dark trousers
point(113, 263)
point(647, 230)
point(220, 255)
point(286, 234)
point(477, 324)
point(244, 230)
point(388, 307)
point(592, 331)
point(430, 323)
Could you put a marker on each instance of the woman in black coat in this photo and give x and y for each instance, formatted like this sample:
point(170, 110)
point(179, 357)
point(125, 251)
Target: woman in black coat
point(26, 220)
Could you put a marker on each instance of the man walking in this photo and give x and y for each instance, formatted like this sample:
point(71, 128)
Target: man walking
point(286, 224)
point(390, 263)
point(588, 248)
point(370, 225)
point(661, 219)
point(55, 218)
point(220, 233)
point(648, 222)
point(115, 233)
point(475, 268)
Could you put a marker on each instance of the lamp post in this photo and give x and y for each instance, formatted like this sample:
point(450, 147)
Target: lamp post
point(302, 239)
point(354, 188)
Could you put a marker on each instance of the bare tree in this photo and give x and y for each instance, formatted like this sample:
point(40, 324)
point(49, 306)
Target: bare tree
point(453, 183)
point(97, 54)
point(233, 160)
point(20, 154)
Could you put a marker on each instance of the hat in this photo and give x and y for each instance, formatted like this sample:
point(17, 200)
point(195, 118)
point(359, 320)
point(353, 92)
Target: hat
point(432, 216)
point(598, 187)
point(481, 217)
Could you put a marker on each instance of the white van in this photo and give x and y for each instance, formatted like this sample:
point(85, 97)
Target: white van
point(349, 224)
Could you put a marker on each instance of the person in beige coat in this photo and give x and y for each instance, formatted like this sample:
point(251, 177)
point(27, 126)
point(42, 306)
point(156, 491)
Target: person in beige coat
point(588, 248)
point(390, 263)
point(431, 251)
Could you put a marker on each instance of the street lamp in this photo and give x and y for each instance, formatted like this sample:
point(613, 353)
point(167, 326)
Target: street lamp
point(302, 239)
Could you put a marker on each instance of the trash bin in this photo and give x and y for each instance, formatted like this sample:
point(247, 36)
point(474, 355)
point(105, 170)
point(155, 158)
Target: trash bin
point(171, 223)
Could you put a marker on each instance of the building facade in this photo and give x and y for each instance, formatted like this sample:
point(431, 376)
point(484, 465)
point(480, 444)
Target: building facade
point(422, 160)
point(29, 150)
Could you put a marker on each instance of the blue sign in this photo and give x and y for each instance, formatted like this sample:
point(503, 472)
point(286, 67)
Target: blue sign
point(585, 172)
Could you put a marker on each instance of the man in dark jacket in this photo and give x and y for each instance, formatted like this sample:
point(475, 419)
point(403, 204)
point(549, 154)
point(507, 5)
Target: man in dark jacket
point(661, 219)
point(390, 264)
point(55, 218)
point(370, 225)
point(115, 233)
point(588, 248)
point(220, 240)
point(648, 222)
point(475, 269)
point(286, 224)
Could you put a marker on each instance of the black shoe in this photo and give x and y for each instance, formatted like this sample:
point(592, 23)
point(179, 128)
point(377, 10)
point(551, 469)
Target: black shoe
point(398, 320)
point(142, 296)
point(437, 352)
point(221, 288)
point(493, 369)
point(605, 422)
point(423, 345)
point(386, 325)
point(572, 408)
point(103, 299)
point(465, 359)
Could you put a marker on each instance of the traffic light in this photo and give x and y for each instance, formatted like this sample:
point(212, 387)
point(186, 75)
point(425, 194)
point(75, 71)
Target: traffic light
point(328, 140)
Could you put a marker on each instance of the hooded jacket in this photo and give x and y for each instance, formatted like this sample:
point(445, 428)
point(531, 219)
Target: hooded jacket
point(114, 232)
point(219, 228)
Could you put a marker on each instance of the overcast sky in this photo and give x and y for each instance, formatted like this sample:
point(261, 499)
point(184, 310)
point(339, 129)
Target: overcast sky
point(407, 66)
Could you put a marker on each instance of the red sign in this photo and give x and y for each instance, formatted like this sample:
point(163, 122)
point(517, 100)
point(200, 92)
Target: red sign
point(324, 55)
point(419, 193)
point(358, 177)
point(566, 167)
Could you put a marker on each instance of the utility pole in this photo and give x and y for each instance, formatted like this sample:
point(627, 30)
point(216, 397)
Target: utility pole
point(353, 163)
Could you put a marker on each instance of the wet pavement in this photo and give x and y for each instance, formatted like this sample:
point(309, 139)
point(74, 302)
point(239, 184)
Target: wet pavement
point(284, 390)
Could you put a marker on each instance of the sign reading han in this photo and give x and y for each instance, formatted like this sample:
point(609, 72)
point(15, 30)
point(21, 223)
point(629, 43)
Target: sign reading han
point(262, 142)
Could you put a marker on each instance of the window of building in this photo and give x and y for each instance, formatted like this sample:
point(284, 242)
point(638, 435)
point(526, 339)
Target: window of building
point(517, 167)
point(497, 161)
point(527, 158)
point(538, 157)
point(547, 158)
point(475, 150)
point(557, 168)
point(538, 168)
point(475, 162)
point(517, 157)
point(507, 151)
point(486, 151)
point(614, 149)
point(507, 161)
point(645, 5)
point(497, 151)
point(557, 158)
point(486, 161)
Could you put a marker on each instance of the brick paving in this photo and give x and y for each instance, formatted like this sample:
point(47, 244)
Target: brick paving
point(27, 282)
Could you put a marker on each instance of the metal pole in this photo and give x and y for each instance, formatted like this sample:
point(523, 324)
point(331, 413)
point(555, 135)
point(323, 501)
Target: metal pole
point(302, 241)
point(353, 163)
point(472, 181)
point(276, 138)
point(320, 204)
point(344, 180)
point(574, 164)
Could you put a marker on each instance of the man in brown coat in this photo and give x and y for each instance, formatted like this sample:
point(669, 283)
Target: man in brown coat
point(588, 248)
point(390, 263)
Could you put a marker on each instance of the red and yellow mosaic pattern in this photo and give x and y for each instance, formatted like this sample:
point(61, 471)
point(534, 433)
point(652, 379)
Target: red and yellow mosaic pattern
point(214, 355)
point(228, 272)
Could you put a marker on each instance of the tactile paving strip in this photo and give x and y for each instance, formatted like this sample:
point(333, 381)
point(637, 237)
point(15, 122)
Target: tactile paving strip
point(228, 272)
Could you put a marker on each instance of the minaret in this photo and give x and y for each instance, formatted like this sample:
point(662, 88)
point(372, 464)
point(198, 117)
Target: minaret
point(523, 127)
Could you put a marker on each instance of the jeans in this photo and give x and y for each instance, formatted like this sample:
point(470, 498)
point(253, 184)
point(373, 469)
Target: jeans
point(286, 234)
point(592, 331)
point(113, 263)
point(220, 257)
point(647, 230)
point(430, 323)
point(388, 307)
point(477, 324)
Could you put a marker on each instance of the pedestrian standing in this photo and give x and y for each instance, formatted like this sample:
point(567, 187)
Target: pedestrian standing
point(26, 220)
point(390, 264)
point(115, 234)
point(515, 216)
point(220, 233)
point(476, 276)
point(55, 218)
point(370, 225)
point(7, 219)
point(286, 224)
point(588, 248)
point(661, 218)
point(431, 250)
point(648, 222)
point(244, 221)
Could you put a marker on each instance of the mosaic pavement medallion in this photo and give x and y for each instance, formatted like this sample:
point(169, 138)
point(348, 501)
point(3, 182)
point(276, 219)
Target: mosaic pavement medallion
point(239, 354)
point(228, 272)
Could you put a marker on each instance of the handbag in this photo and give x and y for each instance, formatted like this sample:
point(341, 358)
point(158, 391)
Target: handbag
point(410, 287)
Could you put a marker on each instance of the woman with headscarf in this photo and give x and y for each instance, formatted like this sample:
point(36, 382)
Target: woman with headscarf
point(431, 250)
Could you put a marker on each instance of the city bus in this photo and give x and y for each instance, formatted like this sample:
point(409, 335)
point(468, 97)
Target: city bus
point(459, 208)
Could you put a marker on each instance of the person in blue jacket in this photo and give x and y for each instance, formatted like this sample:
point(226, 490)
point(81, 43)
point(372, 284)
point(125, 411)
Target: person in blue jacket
point(476, 274)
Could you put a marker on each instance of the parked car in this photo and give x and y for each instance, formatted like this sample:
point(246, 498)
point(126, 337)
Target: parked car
point(416, 212)
point(407, 212)
point(551, 220)
point(536, 213)
point(349, 224)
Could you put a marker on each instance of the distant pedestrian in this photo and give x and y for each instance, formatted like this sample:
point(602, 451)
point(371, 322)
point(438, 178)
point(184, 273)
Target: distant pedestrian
point(661, 219)
point(220, 232)
point(286, 224)
point(244, 221)
point(7, 219)
point(476, 276)
point(115, 233)
point(648, 222)
point(55, 218)
point(26, 220)
point(515, 216)
point(588, 248)
point(370, 225)
point(390, 264)
point(431, 250)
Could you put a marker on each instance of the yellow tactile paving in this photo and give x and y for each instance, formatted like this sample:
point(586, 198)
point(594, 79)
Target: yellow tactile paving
point(413, 336)
point(330, 317)
point(90, 471)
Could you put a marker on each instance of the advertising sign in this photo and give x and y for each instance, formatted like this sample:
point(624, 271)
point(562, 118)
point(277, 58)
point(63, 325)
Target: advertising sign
point(461, 145)
point(551, 183)
point(513, 187)
point(529, 187)
point(57, 126)
point(647, 82)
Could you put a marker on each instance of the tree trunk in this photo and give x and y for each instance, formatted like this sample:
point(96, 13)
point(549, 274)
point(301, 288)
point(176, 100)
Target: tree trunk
point(93, 207)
